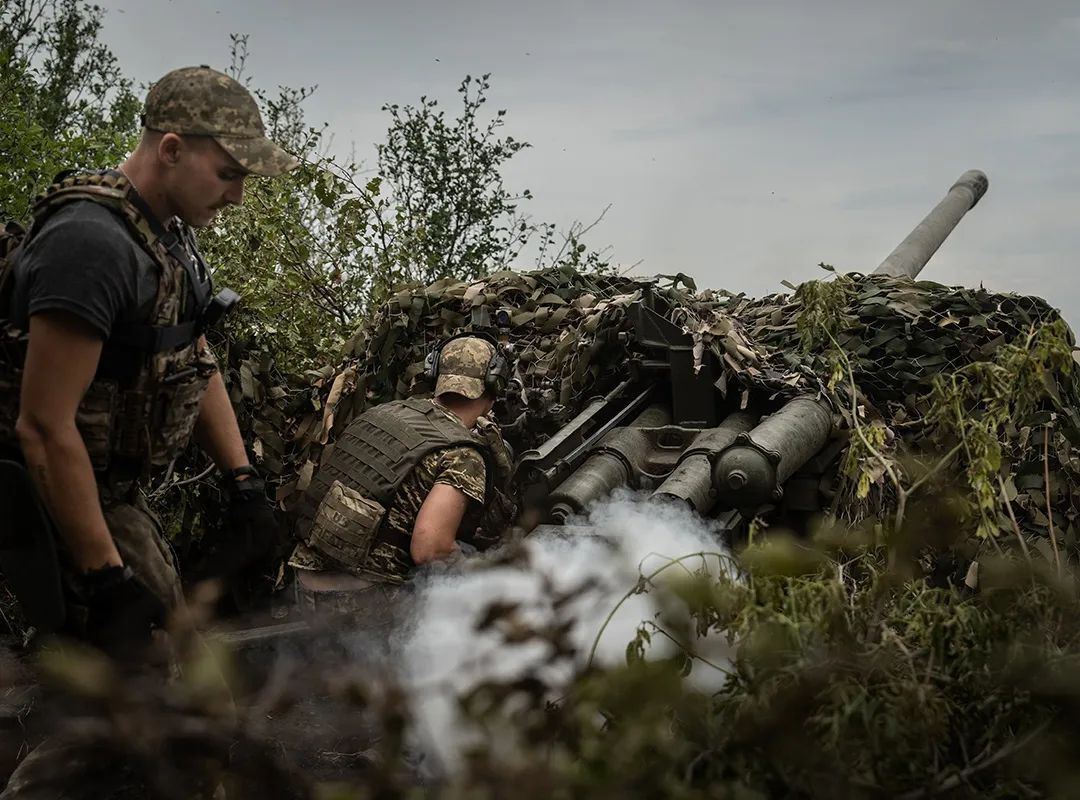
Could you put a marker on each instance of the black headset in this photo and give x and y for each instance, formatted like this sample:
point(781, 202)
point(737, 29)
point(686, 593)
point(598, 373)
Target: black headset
point(500, 366)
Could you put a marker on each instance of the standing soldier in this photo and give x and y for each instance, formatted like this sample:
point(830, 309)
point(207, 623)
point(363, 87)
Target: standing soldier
point(105, 373)
point(409, 482)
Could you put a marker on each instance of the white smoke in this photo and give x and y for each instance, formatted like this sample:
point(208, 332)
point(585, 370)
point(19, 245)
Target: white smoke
point(445, 656)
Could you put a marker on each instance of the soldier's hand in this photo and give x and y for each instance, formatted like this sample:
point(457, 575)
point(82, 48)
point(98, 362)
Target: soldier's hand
point(121, 611)
point(488, 429)
point(253, 533)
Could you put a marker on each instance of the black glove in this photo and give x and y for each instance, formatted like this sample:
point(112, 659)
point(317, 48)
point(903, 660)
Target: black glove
point(121, 611)
point(252, 535)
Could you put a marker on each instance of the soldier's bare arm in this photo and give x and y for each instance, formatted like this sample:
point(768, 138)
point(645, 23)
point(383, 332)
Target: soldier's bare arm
point(216, 430)
point(435, 530)
point(61, 360)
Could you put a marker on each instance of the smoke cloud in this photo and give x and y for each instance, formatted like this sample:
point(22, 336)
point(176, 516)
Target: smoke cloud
point(573, 579)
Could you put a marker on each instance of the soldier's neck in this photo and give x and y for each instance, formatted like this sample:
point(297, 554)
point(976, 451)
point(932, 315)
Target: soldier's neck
point(468, 411)
point(141, 176)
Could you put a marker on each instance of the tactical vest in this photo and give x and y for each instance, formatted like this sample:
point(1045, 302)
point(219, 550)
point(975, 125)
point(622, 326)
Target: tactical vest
point(141, 407)
point(345, 506)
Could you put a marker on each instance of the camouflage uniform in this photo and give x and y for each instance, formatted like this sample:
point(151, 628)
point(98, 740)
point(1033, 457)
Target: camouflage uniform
point(368, 588)
point(141, 425)
point(373, 592)
point(133, 425)
point(460, 467)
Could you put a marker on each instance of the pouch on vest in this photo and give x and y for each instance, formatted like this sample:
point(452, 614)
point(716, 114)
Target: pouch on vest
point(345, 526)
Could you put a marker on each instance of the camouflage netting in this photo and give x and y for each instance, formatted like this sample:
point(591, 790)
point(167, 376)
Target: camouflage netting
point(943, 365)
point(899, 336)
point(564, 327)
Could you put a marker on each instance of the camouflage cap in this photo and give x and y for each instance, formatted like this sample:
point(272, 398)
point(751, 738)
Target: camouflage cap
point(463, 365)
point(201, 101)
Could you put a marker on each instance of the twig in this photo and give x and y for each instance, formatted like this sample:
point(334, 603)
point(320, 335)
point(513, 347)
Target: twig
point(686, 648)
point(1012, 516)
point(636, 589)
point(166, 486)
point(1046, 490)
point(901, 494)
point(945, 459)
point(955, 779)
point(198, 477)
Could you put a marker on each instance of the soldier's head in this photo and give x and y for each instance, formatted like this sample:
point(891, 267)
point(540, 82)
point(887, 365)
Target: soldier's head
point(469, 369)
point(202, 136)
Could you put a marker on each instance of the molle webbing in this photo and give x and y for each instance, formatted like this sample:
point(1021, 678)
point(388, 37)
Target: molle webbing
point(379, 449)
point(139, 411)
point(110, 189)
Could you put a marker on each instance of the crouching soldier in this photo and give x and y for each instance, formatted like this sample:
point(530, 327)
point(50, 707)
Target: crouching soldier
point(408, 483)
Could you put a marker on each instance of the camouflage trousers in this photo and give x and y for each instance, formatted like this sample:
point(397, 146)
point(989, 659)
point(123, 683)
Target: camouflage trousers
point(358, 604)
point(139, 537)
point(66, 766)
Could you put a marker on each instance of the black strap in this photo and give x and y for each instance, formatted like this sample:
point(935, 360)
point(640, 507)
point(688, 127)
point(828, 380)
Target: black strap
point(175, 242)
point(152, 339)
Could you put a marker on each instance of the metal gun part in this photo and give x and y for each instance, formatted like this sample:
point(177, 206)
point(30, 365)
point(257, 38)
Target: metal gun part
point(752, 470)
point(912, 254)
point(692, 480)
point(616, 460)
point(545, 467)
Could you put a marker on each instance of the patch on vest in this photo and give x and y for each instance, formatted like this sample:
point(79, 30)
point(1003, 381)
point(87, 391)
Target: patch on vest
point(345, 526)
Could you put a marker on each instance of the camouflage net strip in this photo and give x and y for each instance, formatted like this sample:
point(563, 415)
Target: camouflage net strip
point(900, 337)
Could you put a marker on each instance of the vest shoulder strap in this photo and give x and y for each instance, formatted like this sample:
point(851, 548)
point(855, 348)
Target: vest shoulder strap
point(114, 191)
point(108, 188)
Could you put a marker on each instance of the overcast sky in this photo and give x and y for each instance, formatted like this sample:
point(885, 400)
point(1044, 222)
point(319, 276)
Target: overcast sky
point(740, 142)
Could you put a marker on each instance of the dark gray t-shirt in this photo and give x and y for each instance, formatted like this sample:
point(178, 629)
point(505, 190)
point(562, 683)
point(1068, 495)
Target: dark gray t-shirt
point(84, 260)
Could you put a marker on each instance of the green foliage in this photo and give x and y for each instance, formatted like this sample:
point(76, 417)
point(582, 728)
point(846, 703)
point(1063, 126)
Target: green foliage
point(64, 102)
point(824, 309)
point(861, 463)
point(847, 681)
point(315, 251)
point(454, 215)
point(984, 405)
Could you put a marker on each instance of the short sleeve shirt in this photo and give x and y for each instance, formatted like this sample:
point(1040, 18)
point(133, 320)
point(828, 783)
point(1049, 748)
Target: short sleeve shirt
point(84, 261)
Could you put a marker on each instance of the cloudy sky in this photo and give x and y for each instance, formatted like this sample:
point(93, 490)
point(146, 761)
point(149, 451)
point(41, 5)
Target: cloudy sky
point(740, 142)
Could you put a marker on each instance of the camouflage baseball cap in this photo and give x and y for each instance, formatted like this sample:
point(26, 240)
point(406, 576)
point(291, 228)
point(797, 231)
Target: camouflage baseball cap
point(463, 364)
point(204, 102)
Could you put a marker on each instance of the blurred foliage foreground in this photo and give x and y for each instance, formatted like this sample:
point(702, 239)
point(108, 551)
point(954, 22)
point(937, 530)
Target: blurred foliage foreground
point(851, 679)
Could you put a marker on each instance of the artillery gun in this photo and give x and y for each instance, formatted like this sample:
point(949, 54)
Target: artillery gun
point(668, 430)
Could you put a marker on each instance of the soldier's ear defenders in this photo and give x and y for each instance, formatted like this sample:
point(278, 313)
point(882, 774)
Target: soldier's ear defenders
point(500, 367)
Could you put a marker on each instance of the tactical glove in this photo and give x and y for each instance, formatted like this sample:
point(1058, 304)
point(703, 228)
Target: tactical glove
point(252, 535)
point(121, 611)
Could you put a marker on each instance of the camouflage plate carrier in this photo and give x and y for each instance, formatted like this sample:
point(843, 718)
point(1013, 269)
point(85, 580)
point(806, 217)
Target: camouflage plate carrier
point(140, 410)
point(342, 514)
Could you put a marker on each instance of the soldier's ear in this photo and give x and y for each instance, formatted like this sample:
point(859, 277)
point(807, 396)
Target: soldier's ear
point(169, 148)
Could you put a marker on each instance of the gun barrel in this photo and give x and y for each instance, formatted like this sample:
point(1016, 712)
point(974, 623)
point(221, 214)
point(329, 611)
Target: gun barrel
point(752, 470)
point(615, 462)
point(911, 255)
point(691, 481)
